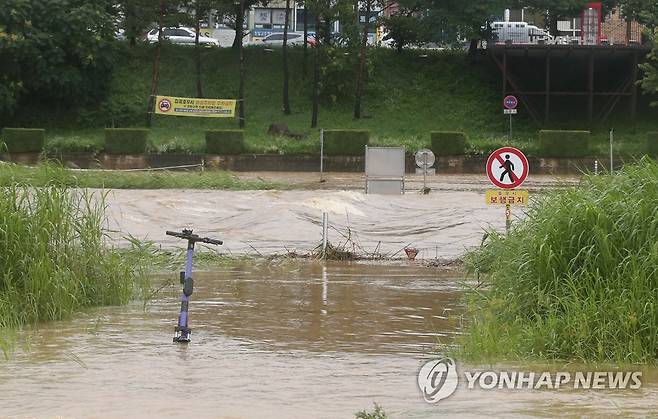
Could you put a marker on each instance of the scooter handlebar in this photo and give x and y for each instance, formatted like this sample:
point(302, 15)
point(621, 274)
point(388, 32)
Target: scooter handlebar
point(212, 241)
point(187, 235)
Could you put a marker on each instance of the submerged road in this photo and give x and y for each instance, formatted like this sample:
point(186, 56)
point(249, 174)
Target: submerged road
point(443, 224)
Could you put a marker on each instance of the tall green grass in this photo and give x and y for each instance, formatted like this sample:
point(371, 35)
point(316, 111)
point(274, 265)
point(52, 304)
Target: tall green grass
point(578, 279)
point(50, 173)
point(54, 259)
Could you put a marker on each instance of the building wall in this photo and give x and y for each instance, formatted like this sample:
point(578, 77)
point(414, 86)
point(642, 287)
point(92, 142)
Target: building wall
point(615, 29)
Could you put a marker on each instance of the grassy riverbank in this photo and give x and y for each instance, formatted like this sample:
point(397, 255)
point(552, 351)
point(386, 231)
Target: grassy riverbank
point(577, 279)
point(47, 174)
point(407, 96)
point(55, 259)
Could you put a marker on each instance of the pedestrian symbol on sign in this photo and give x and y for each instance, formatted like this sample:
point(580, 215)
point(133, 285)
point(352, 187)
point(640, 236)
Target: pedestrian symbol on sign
point(507, 168)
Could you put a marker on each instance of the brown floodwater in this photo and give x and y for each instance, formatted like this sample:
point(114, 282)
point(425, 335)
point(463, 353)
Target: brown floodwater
point(444, 224)
point(285, 339)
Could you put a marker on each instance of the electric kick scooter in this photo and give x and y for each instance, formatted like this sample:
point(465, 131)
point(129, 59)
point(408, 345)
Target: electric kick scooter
point(182, 331)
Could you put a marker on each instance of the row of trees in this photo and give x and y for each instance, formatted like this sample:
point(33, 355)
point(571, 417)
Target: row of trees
point(61, 49)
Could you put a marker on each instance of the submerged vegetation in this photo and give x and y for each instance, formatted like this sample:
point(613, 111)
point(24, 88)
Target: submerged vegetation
point(50, 173)
point(578, 279)
point(54, 259)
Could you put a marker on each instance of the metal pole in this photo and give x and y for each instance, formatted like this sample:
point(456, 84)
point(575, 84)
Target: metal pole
point(424, 172)
point(325, 233)
point(510, 126)
point(612, 134)
point(596, 167)
point(508, 218)
point(182, 330)
point(321, 155)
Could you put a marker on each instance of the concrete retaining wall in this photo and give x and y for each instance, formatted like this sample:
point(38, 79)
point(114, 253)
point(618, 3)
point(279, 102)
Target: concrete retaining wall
point(290, 163)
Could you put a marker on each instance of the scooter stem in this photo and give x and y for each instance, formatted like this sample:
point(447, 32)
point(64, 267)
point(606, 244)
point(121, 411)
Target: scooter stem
point(182, 331)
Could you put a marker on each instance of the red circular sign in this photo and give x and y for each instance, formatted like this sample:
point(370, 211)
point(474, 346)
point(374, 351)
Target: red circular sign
point(510, 102)
point(507, 168)
point(164, 105)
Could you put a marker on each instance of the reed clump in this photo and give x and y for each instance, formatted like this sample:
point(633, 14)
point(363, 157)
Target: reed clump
point(578, 279)
point(54, 256)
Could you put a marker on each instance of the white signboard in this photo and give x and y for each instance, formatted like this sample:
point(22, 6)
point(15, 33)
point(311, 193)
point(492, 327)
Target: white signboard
point(385, 162)
point(385, 167)
point(263, 16)
point(279, 16)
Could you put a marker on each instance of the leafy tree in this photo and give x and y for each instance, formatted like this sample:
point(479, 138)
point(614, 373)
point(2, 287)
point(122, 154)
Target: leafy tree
point(467, 18)
point(243, 71)
point(196, 11)
point(362, 60)
point(137, 17)
point(650, 81)
point(170, 13)
point(644, 11)
point(403, 30)
point(234, 13)
point(286, 75)
point(40, 59)
point(323, 11)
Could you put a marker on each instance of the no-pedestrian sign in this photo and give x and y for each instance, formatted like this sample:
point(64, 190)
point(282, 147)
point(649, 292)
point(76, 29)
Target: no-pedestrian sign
point(510, 102)
point(507, 168)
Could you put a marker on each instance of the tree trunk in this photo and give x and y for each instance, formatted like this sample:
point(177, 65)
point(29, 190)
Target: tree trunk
point(362, 63)
point(553, 19)
point(241, 114)
point(239, 21)
point(156, 68)
point(473, 47)
point(327, 31)
point(305, 38)
point(316, 73)
point(286, 78)
point(199, 82)
point(629, 30)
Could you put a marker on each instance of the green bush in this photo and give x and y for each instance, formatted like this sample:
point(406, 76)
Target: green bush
point(576, 278)
point(347, 142)
point(652, 144)
point(229, 141)
point(22, 140)
point(125, 140)
point(448, 143)
point(563, 143)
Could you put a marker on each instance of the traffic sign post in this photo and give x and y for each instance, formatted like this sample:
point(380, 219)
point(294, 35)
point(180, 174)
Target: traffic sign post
point(510, 103)
point(507, 168)
point(424, 160)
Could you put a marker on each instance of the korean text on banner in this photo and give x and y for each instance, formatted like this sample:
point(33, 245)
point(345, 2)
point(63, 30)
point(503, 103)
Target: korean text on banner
point(183, 106)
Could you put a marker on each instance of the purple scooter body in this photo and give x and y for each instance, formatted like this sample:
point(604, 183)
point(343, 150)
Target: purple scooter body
point(182, 331)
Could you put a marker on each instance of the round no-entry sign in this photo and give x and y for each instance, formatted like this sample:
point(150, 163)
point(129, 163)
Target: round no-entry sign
point(510, 102)
point(507, 168)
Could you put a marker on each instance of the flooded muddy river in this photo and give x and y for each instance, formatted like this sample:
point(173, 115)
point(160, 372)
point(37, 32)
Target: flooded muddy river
point(443, 224)
point(289, 340)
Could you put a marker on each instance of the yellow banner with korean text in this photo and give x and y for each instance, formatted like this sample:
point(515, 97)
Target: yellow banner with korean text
point(504, 197)
point(185, 106)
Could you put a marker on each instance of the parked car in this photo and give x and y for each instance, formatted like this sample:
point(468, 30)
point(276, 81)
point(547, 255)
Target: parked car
point(182, 36)
point(276, 39)
point(520, 33)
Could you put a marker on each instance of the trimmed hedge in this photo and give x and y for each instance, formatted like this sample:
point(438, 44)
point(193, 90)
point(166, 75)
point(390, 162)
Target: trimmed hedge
point(448, 143)
point(563, 143)
point(345, 142)
point(652, 144)
point(22, 140)
point(225, 141)
point(125, 140)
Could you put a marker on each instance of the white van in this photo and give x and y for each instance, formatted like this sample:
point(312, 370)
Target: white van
point(519, 33)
